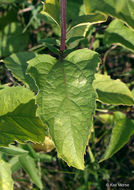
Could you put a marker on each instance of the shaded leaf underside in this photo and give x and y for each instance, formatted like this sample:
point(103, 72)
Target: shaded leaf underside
point(18, 120)
point(118, 33)
point(121, 9)
point(8, 36)
point(17, 63)
point(11, 97)
point(111, 91)
point(122, 131)
point(21, 125)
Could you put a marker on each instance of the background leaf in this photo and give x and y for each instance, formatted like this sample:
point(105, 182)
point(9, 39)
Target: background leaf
point(12, 39)
point(118, 33)
point(74, 10)
point(121, 133)
point(85, 19)
point(28, 164)
point(51, 9)
point(7, 18)
point(7, 1)
point(13, 150)
point(76, 14)
point(81, 25)
point(17, 63)
point(11, 97)
point(76, 34)
point(66, 100)
point(112, 91)
point(14, 163)
point(125, 12)
point(21, 125)
point(6, 181)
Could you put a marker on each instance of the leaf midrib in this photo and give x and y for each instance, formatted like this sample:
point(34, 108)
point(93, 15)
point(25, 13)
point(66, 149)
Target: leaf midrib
point(67, 96)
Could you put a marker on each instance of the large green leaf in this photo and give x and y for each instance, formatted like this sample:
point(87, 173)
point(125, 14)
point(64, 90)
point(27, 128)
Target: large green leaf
point(66, 100)
point(28, 164)
point(11, 97)
point(6, 182)
point(118, 33)
point(21, 125)
point(12, 39)
point(121, 133)
point(112, 91)
point(17, 63)
point(121, 9)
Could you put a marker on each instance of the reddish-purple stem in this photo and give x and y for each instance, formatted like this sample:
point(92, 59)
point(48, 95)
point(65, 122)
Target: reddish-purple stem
point(92, 41)
point(63, 25)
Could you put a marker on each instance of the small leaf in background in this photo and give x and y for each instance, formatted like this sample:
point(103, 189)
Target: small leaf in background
point(6, 181)
point(13, 150)
point(14, 163)
point(122, 131)
point(52, 44)
point(50, 41)
point(7, 1)
point(46, 158)
point(66, 100)
point(12, 39)
point(22, 125)
point(80, 26)
point(11, 97)
point(118, 33)
point(7, 18)
point(28, 164)
point(17, 63)
point(76, 34)
point(85, 19)
point(74, 10)
point(80, 22)
point(106, 118)
point(124, 13)
point(51, 8)
point(111, 91)
point(76, 14)
point(28, 147)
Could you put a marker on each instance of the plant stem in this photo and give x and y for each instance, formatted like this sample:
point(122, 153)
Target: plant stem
point(93, 39)
point(105, 57)
point(63, 25)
